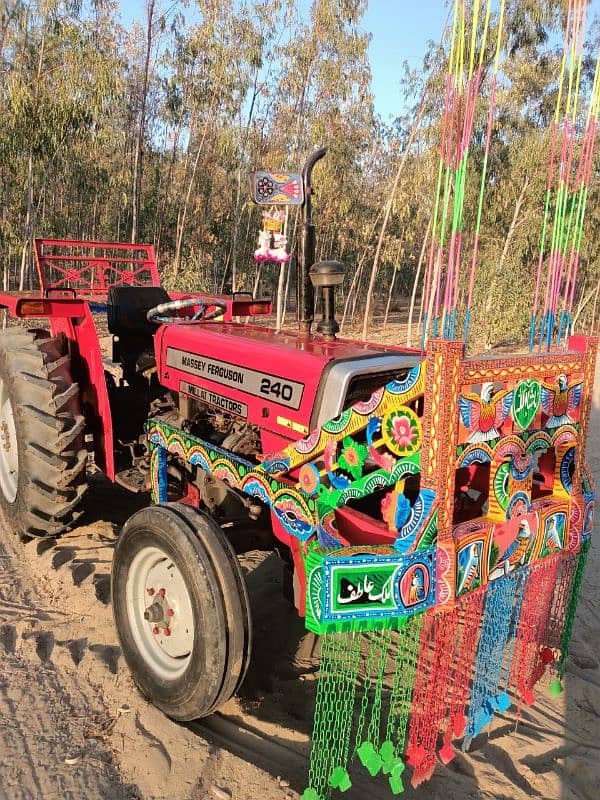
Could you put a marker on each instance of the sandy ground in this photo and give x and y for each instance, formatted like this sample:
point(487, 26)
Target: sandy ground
point(72, 725)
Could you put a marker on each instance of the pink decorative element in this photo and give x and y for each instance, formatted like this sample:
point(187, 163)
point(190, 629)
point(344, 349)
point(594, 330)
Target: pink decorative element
point(329, 456)
point(565, 436)
point(384, 460)
point(443, 568)
point(404, 435)
point(388, 509)
point(369, 406)
point(575, 521)
point(308, 444)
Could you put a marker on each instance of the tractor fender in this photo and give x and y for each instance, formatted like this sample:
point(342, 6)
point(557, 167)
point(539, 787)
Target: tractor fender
point(71, 317)
point(87, 368)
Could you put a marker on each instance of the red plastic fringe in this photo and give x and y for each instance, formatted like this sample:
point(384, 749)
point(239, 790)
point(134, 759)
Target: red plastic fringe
point(430, 694)
point(530, 656)
point(470, 612)
point(560, 600)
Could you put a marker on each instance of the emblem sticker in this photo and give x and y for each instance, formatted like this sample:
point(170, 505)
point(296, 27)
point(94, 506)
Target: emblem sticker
point(206, 396)
point(278, 390)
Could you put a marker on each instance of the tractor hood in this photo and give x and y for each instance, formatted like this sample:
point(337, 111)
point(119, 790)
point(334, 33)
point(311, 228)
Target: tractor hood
point(279, 381)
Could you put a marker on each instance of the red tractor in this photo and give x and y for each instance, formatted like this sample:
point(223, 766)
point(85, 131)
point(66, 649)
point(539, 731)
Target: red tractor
point(179, 596)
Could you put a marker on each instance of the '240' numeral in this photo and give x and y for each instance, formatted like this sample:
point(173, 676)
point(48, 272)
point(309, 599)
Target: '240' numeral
point(277, 389)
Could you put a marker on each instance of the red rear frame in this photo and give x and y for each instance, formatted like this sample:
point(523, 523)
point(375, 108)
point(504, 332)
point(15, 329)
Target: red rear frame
point(91, 268)
point(73, 276)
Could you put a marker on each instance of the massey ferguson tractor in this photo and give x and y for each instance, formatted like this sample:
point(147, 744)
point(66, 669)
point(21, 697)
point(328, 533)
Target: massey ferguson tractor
point(399, 486)
point(244, 390)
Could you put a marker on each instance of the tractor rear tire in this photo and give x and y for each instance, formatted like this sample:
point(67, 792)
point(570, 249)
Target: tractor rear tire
point(42, 449)
point(181, 610)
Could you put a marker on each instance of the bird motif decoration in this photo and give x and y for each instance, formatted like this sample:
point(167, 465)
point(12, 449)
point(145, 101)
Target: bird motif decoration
point(560, 401)
point(553, 541)
point(484, 413)
point(515, 554)
point(470, 572)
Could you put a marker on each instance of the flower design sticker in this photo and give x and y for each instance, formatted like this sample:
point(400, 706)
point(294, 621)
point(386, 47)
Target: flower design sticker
point(352, 457)
point(402, 432)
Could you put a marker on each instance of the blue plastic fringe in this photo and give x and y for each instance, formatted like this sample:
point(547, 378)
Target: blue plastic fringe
point(495, 630)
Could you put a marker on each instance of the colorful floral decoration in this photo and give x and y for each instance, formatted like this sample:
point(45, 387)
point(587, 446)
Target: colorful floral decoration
point(480, 605)
point(401, 431)
point(353, 456)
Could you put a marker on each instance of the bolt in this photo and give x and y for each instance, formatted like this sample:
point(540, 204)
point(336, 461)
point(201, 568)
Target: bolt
point(166, 632)
point(170, 612)
point(155, 630)
point(150, 591)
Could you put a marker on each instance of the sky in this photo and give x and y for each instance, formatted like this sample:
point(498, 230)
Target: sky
point(400, 32)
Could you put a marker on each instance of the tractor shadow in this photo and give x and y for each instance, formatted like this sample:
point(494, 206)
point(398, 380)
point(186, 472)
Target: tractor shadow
point(280, 683)
point(269, 721)
point(86, 550)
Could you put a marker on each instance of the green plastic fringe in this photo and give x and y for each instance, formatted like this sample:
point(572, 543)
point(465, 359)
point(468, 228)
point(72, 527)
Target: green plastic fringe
point(374, 720)
point(567, 632)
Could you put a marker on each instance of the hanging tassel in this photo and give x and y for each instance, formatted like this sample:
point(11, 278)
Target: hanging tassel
point(530, 658)
point(382, 715)
point(469, 609)
point(336, 690)
point(429, 703)
point(570, 610)
point(407, 654)
point(368, 750)
point(495, 630)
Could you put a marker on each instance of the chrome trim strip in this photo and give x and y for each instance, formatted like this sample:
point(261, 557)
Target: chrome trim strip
point(339, 377)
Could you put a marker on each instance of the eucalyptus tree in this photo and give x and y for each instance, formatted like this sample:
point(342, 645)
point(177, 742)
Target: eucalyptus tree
point(55, 86)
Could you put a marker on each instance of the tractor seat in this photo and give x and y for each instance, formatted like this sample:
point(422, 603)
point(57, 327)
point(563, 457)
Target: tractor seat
point(133, 344)
point(128, 306)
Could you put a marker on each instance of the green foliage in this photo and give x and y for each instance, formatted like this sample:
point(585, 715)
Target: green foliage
point(249, 83)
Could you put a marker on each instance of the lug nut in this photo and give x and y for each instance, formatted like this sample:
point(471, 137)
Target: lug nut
point(170, 612)
point(155, 630)
point(166, 632)
point(150, 591)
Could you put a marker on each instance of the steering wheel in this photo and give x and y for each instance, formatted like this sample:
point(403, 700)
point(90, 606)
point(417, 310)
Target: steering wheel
point(208, 309)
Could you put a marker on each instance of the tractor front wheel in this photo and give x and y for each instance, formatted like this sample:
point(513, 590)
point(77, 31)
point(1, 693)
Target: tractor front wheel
point(42, 449)
point(181, 610)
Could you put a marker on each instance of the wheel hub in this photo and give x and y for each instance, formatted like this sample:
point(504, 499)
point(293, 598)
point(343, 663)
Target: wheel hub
point(162, 619)
point(159, 614)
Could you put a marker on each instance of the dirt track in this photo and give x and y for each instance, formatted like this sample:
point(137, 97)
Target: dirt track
point(72, 725)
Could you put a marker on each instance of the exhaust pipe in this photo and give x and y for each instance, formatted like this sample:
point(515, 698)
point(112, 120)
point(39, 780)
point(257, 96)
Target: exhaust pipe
point(307, 249)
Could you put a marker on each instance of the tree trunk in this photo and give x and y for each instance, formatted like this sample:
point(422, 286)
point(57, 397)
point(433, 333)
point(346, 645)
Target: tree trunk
point(514, 224)
point(386, 217)
point(292, 264)
point(28, 229)
point(583, 303)
point(281, 281)
point(416, 284)
point(391, 289)
point(139, 141)
point(595, 325)
point(389, 299)
point(354, 288)
point(183, 211)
